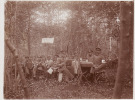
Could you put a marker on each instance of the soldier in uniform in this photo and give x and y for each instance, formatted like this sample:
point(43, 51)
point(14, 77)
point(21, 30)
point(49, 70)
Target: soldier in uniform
point(90, 56)
point(38, 68)
point(61, 63)
point(97, 62)
point(28, 67)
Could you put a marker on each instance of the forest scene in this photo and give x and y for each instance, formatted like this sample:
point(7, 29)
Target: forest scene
point(78, 29)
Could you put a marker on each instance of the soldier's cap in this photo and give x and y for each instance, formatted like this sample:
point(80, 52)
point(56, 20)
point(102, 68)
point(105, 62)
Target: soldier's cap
point(90, 51)
point(56, 55)
point(98, 49)
point(62, 51)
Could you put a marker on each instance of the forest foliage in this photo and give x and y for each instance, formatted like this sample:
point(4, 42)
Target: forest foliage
point(73, 24)
point(84, 25)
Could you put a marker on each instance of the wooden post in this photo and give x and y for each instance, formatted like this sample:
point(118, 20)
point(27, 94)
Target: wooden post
point(110, 44)
point(14, 52)
point(124, 51)
point(110, 47)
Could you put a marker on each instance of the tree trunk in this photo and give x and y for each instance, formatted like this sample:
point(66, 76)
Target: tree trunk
point(14, 52)
point(124, 51)
point(29, 49)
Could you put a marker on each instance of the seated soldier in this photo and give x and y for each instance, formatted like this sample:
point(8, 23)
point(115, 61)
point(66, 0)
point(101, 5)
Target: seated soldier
point(55, 67)
point(97, 62)
point(28, 67)
point(38, 68)
point(72, 64)
point(87, 67)
point(61, 63)
point(49, 62)
point(75, 65)
point(90, 56)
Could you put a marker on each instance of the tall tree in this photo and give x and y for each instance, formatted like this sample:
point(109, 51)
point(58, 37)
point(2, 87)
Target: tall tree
point(124, 52)
point(13, 50)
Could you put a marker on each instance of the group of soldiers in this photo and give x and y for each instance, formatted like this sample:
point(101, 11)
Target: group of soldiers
point(60, 64)
point(50, 66)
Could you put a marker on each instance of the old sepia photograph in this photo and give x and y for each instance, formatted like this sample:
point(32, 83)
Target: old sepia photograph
point(68, 49)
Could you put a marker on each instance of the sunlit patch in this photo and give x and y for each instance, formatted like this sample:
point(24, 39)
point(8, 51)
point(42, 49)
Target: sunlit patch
point(39, 20)
point(64, 15)
point(56, 16)
point(61, 16)
point(117, 19)
point(39, 13)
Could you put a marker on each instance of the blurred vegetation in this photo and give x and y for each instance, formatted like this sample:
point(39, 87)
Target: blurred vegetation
point(73, 24)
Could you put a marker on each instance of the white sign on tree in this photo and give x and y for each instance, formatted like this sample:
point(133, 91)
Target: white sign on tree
point(47, 40)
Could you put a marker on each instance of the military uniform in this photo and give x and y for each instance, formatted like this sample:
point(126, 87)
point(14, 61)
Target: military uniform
point(61, 63)
point(28, 68)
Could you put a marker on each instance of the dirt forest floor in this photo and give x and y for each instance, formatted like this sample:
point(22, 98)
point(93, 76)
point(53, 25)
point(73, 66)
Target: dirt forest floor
point(52, 89)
